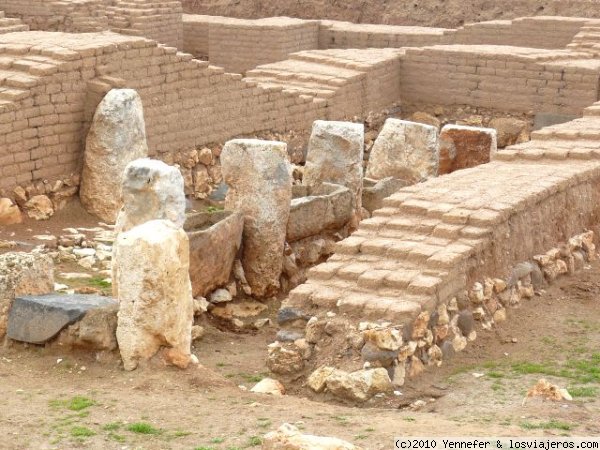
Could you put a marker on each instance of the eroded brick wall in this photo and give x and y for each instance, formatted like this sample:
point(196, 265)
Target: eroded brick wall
point(46, 107)
point(500, 78)
point(239, 45)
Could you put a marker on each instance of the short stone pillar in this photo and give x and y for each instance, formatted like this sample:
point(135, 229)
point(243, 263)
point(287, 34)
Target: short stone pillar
point(155, 294)
point(117, 136)
point(405, 150)
point(259, 176)
point(151, 190)
point(462, 147)
point(335, 155)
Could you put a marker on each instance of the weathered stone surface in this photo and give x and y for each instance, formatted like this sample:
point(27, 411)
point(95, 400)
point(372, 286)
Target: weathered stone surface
point(155, 294)
point(314, 210)
point(152, 190)
point(117, 136)
point(269, 386)
point(404, 150)
point(220, 296)
point(510, 131)
point(284, 359)
point(23, 274)
point(384, 338)
point(375, 191)
point(462, 147)
point(359, 386)
point(288, 437)
point(39, 207)
point(260, 186)
point(335, 155)
point(9, 214)
point(96, 331)
point(215, 239)
point(37, 319)
point(317, 380)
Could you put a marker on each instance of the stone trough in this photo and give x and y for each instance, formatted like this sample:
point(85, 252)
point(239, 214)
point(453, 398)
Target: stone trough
point(215, 239)
point(315, 209)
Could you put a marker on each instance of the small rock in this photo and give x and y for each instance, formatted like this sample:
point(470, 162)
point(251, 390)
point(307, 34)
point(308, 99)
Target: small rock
point(220, 296)
point(39, 207)
point(284, 359)
point(198, 332)
point(285, 315)
point(9, 214)
point(288, 437)
point(288, 336)
point(317, 380)
point(269, 386)
point(360, 385)
point(547, 391)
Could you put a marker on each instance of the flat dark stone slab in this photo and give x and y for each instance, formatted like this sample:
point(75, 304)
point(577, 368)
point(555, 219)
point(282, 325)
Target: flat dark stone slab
point(38, 318)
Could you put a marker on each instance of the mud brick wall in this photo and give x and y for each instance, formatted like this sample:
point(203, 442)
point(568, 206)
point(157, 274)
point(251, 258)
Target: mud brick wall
point(47, 105)
point(537, 32)
point(335, 34)
point(500, 78)
point(56, 15)
point(239, 45)
point(195, 34)
point(8, 25)
point(159, 20)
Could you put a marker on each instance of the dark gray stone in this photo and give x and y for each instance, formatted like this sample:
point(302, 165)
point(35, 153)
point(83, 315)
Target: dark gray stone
point(447, 350)
point(285, 315)
point(373, 354)
point(288, 336)
point(38, 318)
point(466, 322)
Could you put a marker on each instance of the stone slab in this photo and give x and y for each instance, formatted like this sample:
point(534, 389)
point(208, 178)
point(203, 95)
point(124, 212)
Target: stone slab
point(38, 318)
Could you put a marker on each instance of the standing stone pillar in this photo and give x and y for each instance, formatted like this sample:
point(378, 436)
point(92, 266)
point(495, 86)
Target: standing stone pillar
point(335, 155)
point(151, 190)
point(117, 136)
point(462, 147)
point(155, 294)
point(259, 176)
point(405, 150)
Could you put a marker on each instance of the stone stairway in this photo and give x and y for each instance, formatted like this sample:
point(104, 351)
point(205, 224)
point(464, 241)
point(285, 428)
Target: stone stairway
point(353, 82)
point(8, 25)
point(588, 39)
point(431, 241)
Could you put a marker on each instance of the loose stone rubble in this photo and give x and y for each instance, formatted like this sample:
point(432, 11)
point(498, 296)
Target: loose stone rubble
point(117, 137)
point(260, 186)
point(155, 294)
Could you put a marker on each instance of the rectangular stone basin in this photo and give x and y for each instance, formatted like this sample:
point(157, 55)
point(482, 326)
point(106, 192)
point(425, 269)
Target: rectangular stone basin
point(313, 210)
point(215, 239)
point(375, 191)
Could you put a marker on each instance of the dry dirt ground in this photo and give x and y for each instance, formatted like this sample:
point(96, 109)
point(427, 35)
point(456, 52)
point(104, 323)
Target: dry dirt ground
point(438, 13)
point(51, 399)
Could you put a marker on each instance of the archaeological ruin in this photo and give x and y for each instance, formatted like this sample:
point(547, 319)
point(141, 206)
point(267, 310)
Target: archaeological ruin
point(367, 199)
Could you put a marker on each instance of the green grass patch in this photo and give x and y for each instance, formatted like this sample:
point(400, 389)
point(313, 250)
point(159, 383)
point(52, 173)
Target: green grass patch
point(143, 428)
point(254, 441)
point(82, 432)
point(214, 209)
point(113, 426)
point(217, 440)
point(583, 391)
point(99, 282)
point(495, 374)
point(550, 425)
point(252, 378)
point(77, 403)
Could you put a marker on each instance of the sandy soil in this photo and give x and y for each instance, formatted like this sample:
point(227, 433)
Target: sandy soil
point(439, 13)
point(479, 392)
